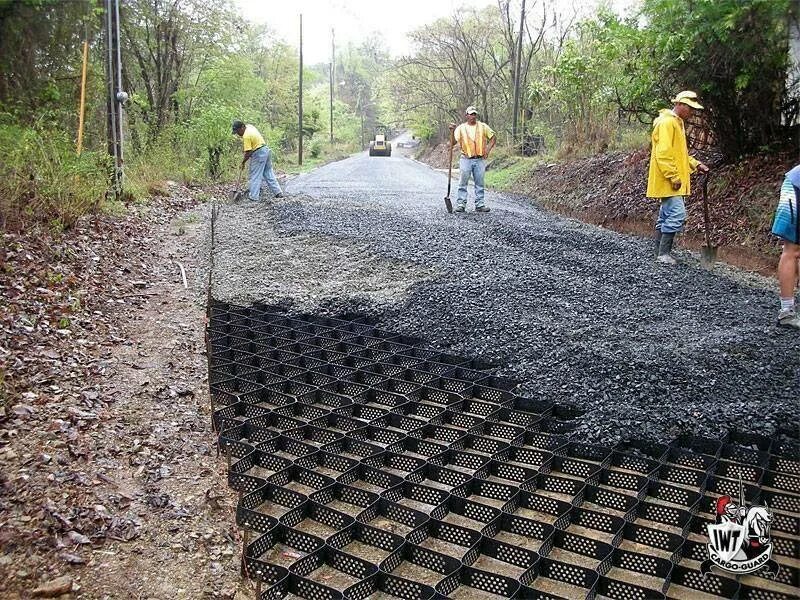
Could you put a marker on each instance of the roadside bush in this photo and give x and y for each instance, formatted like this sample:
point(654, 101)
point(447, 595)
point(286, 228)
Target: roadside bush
point(506, 168)
point(735, 53)
point(43, 179)
point(165, 158)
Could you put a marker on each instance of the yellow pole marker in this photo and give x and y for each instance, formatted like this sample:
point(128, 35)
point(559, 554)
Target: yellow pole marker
point(83, 95)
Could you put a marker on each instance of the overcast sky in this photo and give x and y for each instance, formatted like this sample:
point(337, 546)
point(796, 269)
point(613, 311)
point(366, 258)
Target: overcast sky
point(353, 20)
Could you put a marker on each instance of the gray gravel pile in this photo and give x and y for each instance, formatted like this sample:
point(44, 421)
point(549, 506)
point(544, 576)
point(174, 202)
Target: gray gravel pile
point(302, 271)
point(583, 315)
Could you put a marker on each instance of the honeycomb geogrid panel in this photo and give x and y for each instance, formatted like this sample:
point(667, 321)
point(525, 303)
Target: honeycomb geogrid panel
point(369, 465)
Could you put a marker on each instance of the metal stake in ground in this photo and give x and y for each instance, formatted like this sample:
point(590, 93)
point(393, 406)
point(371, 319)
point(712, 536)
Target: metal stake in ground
point(708, 253)
point(237, 192)
point(244, 570)
point(447, 203)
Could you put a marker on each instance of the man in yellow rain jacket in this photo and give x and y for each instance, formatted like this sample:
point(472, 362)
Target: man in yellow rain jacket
point(670, 168)
point(476, 140)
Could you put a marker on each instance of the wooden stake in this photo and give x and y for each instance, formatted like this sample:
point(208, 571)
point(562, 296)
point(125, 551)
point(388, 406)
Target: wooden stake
point(82, 108)
point(246, 540)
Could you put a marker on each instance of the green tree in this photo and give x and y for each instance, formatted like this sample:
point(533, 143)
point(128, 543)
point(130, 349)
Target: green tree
point(229, 89)
point(576, 93)
point(167, 45)
point(734, 53)
point(40, 55)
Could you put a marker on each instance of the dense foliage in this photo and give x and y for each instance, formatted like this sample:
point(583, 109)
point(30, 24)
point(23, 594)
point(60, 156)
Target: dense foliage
point(589, 82)
point(191, 66)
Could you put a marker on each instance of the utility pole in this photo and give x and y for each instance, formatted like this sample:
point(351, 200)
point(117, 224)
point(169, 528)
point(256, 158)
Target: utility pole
point(300, 100)
point(518, 72)
point(360, 109)
point(333, 75)
point(116, 97)
point(120, 96)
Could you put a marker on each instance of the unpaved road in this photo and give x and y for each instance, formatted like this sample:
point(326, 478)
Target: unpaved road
point(108, 474)
point(584, 315)
point(110, 485)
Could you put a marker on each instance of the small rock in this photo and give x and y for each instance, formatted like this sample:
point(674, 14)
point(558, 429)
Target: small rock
point(78, 538)
point(54, 587)
point(73, 559)
point(23, 410)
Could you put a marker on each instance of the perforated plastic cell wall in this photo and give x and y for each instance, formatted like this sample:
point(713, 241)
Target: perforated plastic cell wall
point(370, 465)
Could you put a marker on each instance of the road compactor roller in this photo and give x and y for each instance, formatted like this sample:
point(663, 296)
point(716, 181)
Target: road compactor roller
point(379, 146)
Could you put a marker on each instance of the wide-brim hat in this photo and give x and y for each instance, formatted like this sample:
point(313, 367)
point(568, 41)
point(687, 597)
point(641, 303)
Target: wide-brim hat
point(689, 98)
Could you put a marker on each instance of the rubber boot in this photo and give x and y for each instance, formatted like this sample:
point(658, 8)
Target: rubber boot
point(665, 249)
point(665, 246)
point(657, 240)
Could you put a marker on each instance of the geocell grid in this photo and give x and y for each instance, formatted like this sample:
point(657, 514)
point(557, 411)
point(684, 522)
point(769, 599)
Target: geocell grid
point(370, 466)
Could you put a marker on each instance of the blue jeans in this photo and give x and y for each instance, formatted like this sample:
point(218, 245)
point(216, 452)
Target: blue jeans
point(671, 215)
point(477, 168)
point(261, 168)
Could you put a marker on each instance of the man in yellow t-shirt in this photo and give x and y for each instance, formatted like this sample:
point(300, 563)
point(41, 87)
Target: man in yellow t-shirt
point(260, 157)
point(476, 140)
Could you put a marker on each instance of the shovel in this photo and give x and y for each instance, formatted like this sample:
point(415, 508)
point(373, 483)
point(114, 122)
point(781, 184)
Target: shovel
point(447, 203)
point(708, 253)
point(237, 192)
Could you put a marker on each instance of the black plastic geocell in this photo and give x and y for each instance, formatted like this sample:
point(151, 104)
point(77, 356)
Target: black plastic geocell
point(377, 465)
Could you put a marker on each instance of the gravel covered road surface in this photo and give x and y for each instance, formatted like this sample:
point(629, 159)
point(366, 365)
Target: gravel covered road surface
point(583, 315)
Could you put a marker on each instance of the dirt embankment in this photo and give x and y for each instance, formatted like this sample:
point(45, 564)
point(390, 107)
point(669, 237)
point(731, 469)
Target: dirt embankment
point(609, 190)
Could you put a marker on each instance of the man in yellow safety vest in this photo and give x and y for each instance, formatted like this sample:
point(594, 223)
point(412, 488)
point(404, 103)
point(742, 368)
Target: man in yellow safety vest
point(476, 140)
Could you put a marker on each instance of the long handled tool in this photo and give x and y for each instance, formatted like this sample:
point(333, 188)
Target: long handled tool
point(708, 253)
point(447, 203)
point(237, 192)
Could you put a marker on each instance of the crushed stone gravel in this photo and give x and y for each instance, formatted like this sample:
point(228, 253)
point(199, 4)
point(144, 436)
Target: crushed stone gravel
point(583, 315)
point(309, 270)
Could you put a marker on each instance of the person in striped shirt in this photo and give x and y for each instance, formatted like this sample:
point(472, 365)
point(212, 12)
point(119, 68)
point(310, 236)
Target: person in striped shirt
point(476, 140)
point(787, 227)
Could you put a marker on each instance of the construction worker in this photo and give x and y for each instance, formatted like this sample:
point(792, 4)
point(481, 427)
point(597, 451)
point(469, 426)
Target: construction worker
point(476, 140)
point(260, 157)
point(787, 227)
point(670, 167)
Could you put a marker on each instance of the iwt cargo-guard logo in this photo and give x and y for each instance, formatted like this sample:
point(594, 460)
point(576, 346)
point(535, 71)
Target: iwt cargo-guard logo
point(739, 541)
